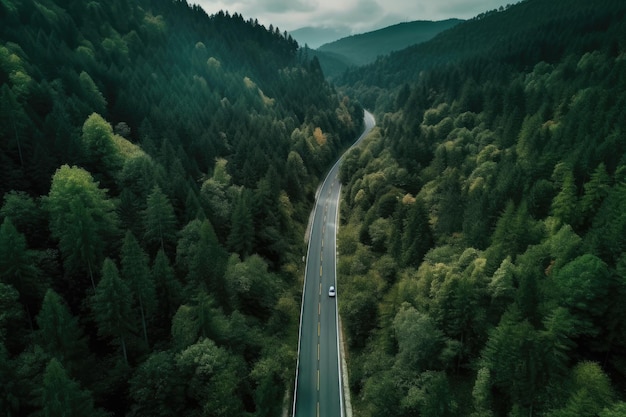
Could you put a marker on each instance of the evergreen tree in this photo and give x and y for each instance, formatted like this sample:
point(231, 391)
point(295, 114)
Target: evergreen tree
point(62, 396)
point(159, 222)
point(112, 306)
point(17, 264)
point(60, 335)
point(168, 288)
point(565, 202)
point(136, 273)
point(417, 237)
point(241, 237)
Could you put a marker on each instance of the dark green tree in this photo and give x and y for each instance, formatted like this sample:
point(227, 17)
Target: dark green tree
point(159, 222)
point(62, 396)
point(417, 237)
point(168, 288)
point(17, 265)
point(420, 342)
point(27, 216)
point(564, 204)
point(241, 237)
point(13, 322)
point(61, 337)
point(136, 273)
point(211, 378)
point(583, 286)
point(156, 388)
point(595, 191)
point(112, 306)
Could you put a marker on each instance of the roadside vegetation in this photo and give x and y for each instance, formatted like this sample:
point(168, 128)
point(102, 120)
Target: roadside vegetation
point(157, 170)
point(482, 262)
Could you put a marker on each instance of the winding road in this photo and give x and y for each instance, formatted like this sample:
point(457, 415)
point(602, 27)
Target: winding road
point(318, 388)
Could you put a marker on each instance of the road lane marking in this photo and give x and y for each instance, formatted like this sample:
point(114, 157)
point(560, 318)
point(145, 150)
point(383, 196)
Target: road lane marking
point(320, 270)
point(318, 379)
point(319, 325)
point(319, 308)
point(320, 288)
point(318, 352)
point(318, 409)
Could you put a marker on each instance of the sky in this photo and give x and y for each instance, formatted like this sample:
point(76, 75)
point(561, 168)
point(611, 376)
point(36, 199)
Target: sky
point(359, 15)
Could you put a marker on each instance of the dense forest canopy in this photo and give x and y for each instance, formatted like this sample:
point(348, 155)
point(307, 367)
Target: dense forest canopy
point(482, 251)
point(157, 169)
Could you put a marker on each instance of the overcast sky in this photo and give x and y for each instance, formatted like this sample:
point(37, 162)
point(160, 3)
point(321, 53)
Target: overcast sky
point(360, 15)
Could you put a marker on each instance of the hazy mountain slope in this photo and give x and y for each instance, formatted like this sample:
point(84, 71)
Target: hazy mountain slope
point(365, 48)
point(533, 30)
point(314, 37)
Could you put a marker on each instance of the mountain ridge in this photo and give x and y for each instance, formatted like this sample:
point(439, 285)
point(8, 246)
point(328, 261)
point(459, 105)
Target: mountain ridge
point(364, 48)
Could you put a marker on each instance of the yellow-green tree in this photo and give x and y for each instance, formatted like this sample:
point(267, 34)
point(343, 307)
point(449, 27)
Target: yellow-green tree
point(82, 218)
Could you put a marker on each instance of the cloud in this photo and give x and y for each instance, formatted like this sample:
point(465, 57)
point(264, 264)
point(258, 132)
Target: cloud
point(359, 15)
point(284, 6)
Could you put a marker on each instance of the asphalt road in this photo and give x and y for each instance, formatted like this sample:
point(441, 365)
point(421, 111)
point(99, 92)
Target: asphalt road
point(318, 390)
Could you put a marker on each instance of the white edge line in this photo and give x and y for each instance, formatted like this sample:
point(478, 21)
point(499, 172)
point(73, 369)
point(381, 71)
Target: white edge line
point(341, 406)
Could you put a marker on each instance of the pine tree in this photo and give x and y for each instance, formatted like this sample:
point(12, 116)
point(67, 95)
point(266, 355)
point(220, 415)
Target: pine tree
point(62, 396)
point(241, 237)
point(60, 335)
point(112, 306)
point(168, 289)
point(17, 264)
point(159, 222)
point(417, 237)
point(136, 272)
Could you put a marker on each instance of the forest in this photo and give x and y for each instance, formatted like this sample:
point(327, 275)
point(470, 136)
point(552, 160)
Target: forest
point(157, 169)
point(482, 258)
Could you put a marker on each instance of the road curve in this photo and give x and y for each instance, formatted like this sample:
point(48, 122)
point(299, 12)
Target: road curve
point(318, 388)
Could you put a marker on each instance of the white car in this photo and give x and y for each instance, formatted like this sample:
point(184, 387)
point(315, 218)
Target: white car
point(331, 291)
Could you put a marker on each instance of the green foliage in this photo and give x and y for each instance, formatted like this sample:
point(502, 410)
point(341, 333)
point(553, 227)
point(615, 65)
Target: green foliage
point(416, 236)
point(112, 306)
point(81, 218)
point(420, 342)
point(251, 287)
point(159, 221)
point(508, 138)
point(60, 335)
point(17, 263)
point(101, 154)
point(136, 273)
point(152, 119)
point(155, 387)
point(590, 392)
point(12, 317)
point(211, 377)
point(60, 395)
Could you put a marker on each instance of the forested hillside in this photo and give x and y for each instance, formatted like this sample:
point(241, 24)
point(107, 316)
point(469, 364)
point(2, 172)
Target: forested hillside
point(157, 170)
point(357, 50)
point(364, 48)
point(482, 258)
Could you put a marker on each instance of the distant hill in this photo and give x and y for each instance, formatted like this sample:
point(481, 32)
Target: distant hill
point(533, 31)
point(357, 50)
point(314, 37)
point(364, 48)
